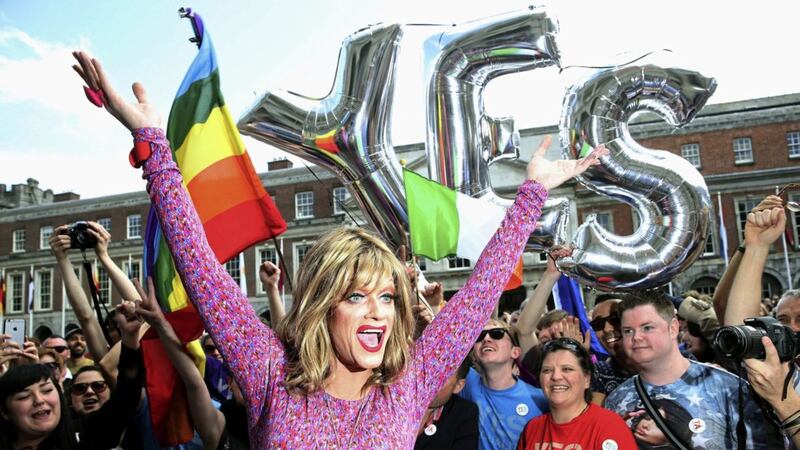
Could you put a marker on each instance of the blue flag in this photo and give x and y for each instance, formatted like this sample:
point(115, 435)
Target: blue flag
point(567, 295)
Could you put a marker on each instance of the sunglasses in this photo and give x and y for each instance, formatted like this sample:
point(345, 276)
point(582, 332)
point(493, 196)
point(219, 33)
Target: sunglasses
point(209, 348)
point(791, 206)
point(561, 343)
point(52, 365)
point(59, 348)
point(97, 386)
point(599, 323)
point(494, 333)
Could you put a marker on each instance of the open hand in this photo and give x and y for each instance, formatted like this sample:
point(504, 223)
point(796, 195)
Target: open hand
point(571, 328)
point(139, 114)
point(552, 173)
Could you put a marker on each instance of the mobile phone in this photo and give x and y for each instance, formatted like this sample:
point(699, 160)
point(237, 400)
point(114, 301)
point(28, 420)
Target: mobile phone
point(16, 329)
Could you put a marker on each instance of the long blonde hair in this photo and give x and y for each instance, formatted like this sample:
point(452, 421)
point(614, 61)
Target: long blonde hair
point(341, 261)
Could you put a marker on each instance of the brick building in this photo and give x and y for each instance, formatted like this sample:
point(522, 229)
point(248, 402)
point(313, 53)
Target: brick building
point(743, 149)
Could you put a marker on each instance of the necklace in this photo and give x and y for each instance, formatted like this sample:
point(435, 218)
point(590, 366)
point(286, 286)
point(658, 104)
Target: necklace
point(328, 409)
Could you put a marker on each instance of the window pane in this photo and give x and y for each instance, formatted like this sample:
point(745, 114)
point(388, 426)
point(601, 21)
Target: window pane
point(300, 251)
point(454, 262)
point(44, 298)
point(44, 234)
point(742, 150)
point(15, 293)
point(606, 220)
point(105, 223)
point(340, 196)
point(134, 226)
point(304, 205)
point(266, 254)
point(18, 244)
point(793, 142)
point(103, 285)
point(233, 269)
point(743, 207)
point(691, 152)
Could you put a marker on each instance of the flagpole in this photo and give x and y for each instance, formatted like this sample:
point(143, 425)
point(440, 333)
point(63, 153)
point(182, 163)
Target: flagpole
point(3, 284)
point(283, 285)
point(130, 265)
point(785, 252)
point(723, 236)
point(242, 276)
point(31, 289)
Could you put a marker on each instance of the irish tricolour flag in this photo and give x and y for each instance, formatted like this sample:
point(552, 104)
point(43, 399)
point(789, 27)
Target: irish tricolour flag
point(444, 222)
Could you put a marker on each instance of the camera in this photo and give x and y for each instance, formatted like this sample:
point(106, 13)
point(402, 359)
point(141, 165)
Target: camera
point(744, 341)
point(79, 236)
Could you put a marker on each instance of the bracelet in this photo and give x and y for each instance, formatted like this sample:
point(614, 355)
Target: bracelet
point(790, 418)
point(787, 425)
point(740, 249)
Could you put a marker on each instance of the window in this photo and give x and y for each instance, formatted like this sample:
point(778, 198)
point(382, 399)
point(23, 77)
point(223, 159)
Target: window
point(705, 285)
point(105, 222)
point(340, 196)
point(44, 290)
point(542, 258)
point(134, 226)
point(422, 263)
point(691, 153)
point(605, 220)
point(18, 241)
point(303, 205)
point(15, 290)
point(743, 207)
point(742, 150)
point(793, 142)
point(44, 236)
point(234, 269)
point(711, 244)
point(455, 263)
point(265, 254)
point(300, 251)
point(103, 285)
point(133, 269)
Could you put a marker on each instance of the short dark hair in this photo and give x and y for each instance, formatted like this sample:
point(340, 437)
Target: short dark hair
point(94, 368)
point(551, 317)
point(657, 300)
point(574, 347)
point(16, 379)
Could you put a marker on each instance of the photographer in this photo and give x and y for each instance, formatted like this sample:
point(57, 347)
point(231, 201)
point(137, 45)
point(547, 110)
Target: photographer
point(767, 378)
point(61, 242)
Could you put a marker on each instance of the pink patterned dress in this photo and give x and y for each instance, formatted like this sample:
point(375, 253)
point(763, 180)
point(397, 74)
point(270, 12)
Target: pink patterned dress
point(384, 419)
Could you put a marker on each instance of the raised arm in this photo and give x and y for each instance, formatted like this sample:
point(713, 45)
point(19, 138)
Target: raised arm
point(119, 278)
point(448, 339)
point(247, 345)
point(723, 289)
point(95, 340)
point(270, 275)
point(763, 227)
point(537, 302)
point(208, 421)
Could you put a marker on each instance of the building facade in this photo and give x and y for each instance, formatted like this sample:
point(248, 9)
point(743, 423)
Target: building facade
point(744, 150)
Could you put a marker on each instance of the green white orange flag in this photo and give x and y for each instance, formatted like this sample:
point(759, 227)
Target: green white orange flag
point(444, 222)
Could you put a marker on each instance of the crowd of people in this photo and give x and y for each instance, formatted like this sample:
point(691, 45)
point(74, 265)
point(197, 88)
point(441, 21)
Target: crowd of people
point(359, 361)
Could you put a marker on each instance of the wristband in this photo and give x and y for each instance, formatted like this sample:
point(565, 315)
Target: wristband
point(740, 249)
point(139, 154)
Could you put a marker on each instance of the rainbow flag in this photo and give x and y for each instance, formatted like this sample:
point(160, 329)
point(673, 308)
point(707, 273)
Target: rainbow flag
point(235, 210)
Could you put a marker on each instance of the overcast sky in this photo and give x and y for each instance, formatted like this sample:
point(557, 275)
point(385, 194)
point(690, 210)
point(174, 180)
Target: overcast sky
point(48, 131)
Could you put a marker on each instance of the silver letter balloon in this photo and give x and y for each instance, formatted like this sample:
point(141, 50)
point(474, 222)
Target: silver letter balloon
point(347, 132)
point(667, 193)
point(462, 139)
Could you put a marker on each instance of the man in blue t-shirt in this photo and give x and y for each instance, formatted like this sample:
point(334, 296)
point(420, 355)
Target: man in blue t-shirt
point(506, 404)
point(698, 402)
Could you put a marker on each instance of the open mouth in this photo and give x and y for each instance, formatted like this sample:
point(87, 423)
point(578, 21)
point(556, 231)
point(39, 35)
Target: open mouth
point(90, 403)
point(559, 388)
point(488, 349)
point(371, 338)
point(42, 414)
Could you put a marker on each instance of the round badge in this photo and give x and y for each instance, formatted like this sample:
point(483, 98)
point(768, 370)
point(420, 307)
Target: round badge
point(430, 430)
point(610, 444)
point(697, 425)
point(522, 409)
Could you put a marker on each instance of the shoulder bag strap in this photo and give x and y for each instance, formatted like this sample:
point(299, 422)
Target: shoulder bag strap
point(654, 414)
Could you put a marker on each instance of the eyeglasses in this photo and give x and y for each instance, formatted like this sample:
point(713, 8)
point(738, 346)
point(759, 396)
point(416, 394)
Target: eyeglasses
point(97, 386)
point(59, 348)
point(52, 366)
point(791, 206)
point(494, 333)
point(599, 323)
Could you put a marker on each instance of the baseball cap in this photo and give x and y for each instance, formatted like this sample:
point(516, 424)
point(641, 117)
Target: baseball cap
point(71, 329)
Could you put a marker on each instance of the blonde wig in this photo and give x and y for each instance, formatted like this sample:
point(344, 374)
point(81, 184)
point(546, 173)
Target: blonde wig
point(343, 260)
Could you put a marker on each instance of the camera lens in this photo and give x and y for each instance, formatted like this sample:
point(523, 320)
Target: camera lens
point(739, 342)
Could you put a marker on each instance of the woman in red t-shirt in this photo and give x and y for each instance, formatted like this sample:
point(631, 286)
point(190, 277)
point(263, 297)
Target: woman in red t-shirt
point(573, 422)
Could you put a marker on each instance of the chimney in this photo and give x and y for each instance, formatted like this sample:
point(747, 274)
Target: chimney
point(65, 197)
point(279, 164)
